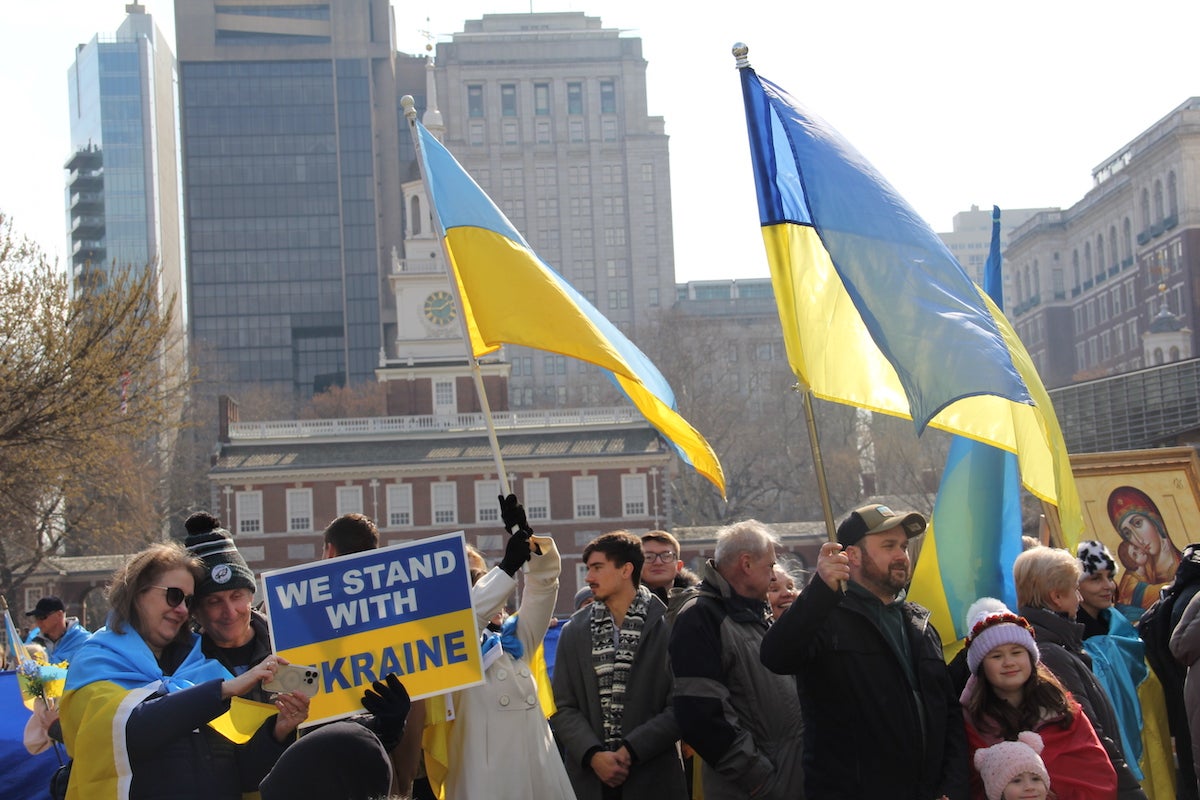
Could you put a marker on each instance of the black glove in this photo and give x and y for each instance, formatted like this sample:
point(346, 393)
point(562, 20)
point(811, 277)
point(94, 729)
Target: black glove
point(390, 704)
point(516, 552)
point(513, 514)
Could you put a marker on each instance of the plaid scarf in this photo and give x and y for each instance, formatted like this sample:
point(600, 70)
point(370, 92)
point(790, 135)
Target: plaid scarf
point(614, 662)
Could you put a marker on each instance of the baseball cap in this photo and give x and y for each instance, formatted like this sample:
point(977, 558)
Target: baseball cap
point(45, 607)
point(876, 518)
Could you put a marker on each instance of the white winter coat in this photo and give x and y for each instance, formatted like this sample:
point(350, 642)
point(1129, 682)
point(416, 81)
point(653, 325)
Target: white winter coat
point(500, 743)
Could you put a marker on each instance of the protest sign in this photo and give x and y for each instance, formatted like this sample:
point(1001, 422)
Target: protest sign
point(404, 609)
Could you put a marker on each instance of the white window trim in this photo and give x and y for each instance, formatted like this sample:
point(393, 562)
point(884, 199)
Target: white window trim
point(296, 510)
point(249, 518)
point(585, 485)
point(349, 500)
point(634, 490)
point(451, 513)
point(487, 510)
point(535, 493)
point(399, 500)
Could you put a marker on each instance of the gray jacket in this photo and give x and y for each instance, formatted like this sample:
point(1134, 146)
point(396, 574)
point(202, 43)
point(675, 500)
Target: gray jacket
point(741, 718)
point(1185, 646)
point(648, 725)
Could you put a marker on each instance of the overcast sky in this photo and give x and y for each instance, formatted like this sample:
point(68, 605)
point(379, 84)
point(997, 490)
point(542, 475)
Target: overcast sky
point(956, 103)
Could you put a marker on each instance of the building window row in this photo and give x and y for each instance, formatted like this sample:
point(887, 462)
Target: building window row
point(443, 503)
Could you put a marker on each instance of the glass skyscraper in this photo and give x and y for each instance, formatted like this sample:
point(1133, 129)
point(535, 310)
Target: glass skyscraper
point(122, 192)
point(291, 181)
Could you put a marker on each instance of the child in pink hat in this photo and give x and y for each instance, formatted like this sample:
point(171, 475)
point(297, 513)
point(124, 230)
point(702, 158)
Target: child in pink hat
point(1014, 770)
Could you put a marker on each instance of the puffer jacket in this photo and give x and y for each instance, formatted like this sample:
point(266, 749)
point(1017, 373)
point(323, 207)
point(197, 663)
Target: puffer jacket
point(742, 719)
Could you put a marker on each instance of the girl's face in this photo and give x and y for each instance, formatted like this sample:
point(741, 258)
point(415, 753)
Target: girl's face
point(1007, 668)
point(1096, 591)
point(1025, 786)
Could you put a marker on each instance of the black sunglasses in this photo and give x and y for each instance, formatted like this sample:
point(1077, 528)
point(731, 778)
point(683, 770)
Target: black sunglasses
point(175, 595)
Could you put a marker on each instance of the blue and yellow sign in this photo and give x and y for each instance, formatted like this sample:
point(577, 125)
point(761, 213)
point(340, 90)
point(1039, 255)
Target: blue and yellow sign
point(403, 609)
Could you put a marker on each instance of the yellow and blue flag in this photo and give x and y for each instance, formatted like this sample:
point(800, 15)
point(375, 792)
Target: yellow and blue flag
point(109, 677)
point(510, 296)
point(978, 509)
point(877, 313)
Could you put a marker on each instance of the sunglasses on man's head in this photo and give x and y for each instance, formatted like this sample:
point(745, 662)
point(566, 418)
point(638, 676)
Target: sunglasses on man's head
point(175, 595)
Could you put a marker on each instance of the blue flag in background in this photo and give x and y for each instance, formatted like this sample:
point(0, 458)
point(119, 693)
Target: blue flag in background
point(978, 511)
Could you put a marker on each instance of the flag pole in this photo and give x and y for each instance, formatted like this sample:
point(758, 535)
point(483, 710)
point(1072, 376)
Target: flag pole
point(818, 465)
point(410, 113)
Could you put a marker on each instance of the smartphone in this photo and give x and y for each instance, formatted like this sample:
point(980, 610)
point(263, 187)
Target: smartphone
point(294, 678)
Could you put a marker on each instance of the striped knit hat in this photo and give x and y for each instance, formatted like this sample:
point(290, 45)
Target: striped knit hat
point(992, 625)
point(224, 567)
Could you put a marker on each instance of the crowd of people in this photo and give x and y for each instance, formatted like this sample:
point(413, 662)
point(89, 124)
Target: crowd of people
point(742, 681)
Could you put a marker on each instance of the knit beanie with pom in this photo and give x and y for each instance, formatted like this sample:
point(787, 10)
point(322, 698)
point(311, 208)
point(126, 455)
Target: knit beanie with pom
point(1004, 761)
point(991, 624)
point(224, 567)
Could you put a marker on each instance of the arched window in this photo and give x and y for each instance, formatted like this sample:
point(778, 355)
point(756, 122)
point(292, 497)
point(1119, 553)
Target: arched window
point(415, 216)
point(1174, 353)
point(1172, 195)
point(1145, 209)
point(1158, 355)
point(1075, 267)
point(1087, 262)
point(1036, 288)
point(1127, 235)
point(1112, 245)
point(1100, 255)
point(1158, 202)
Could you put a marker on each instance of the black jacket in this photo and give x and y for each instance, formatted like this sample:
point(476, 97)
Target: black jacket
point(863, 728)
point(171, 749)
point(1060, 642)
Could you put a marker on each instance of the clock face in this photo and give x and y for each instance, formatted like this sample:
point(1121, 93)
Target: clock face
point(440, 308)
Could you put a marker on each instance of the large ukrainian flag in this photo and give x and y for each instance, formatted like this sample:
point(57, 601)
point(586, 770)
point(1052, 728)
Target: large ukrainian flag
point(510, 296)
point(877, 313)
point(979, 508)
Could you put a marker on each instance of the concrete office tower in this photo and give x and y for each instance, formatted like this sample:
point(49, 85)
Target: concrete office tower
point(548, 113)
point(122, 189)
point(291, 186)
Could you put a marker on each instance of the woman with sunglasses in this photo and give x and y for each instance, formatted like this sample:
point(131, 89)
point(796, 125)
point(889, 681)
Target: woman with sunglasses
point(140, 695)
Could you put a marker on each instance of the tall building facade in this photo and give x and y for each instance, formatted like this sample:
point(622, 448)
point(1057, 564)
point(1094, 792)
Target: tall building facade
point(122, 186)
point(970, 237)
point(548, 112)
point(291, 184)
point(1093, 283)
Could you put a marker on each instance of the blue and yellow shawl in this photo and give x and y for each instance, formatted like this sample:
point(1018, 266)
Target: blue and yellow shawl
point(109, 677)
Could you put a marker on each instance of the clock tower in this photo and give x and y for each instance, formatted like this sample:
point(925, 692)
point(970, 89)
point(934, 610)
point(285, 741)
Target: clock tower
point(431, 352)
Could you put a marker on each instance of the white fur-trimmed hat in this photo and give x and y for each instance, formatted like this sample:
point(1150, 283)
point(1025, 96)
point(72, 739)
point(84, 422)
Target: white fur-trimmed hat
point(991, 625)
point(1004, 761)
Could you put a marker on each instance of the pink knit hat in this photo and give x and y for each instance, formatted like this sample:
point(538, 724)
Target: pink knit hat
point(1002, 762)
point(991, 624)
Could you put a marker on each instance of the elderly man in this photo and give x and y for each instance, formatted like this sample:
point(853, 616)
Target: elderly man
point(882, 716)
point(60, 635)
point(742, 719)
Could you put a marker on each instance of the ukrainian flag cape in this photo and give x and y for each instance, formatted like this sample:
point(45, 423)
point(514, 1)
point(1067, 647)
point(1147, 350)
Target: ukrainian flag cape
point(110, 676)
point(1119, 663)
